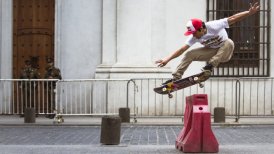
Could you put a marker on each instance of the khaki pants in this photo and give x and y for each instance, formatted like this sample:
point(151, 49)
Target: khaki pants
point(213, 56)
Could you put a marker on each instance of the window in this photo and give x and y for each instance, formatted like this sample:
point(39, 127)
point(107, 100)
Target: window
point(251, 37)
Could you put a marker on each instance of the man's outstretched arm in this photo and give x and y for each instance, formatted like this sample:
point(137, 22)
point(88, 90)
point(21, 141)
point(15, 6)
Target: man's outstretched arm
point(163, 62)
point(254, 8)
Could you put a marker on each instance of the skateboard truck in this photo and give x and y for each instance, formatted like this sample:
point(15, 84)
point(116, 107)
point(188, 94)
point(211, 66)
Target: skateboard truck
point(197, 79)
point(169, 94)
point(168, 88)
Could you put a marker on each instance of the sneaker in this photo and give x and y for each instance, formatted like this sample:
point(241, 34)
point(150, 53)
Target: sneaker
point(208, 67)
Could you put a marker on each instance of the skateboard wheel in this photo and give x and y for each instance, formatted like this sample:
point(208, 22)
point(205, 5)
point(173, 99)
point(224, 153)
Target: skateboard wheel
point(201, 85)
point(196, 78)
point(170, 95)
point(164, 89)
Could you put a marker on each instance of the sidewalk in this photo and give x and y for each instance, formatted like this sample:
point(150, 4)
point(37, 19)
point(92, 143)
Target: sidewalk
point(140, 149)
point(148, 139)
point(81, 134)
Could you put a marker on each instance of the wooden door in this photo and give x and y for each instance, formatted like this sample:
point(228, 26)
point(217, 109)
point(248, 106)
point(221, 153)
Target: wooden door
point(33, 32)
point(33, 35)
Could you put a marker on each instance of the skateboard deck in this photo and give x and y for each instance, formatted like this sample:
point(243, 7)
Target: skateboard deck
point(183, 83)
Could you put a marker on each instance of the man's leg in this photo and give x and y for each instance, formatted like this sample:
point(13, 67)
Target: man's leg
point(198, 54)
point(224, 53)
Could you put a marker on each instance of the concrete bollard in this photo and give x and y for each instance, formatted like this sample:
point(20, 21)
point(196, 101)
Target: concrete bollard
point(124, 114)
point(29, 115)
point(110, 130)
point(219, 114)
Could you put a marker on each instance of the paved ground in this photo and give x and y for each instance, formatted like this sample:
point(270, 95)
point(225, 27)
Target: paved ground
point(130, 135)
point(134, 139)
point(81, 135)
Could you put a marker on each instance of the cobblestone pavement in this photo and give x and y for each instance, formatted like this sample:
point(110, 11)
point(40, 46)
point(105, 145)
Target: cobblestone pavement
point(134, 139)
point(130, 135)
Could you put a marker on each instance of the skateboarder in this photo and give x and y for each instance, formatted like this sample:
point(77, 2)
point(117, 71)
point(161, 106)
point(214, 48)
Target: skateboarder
point(217, 47)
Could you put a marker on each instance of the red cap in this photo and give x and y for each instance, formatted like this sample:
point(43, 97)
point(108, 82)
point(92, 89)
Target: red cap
point(193, 25)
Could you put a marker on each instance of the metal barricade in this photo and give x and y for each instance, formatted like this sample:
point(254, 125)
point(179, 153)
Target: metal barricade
point(256, 97)
point(18, 94)
point(92, 96)
point(241, 97)
point(221, 92)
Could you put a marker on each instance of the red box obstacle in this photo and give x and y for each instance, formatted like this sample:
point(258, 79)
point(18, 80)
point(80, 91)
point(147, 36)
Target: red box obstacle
point(197, 136)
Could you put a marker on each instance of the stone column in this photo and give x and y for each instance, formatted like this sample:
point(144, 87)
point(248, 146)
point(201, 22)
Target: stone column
point(6, 50)
point(133, 38)
point(6, 39)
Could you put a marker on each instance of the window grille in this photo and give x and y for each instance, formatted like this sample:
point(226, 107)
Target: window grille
point(251, 37)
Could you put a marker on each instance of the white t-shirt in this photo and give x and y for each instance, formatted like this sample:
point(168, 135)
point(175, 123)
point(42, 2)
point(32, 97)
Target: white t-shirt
point(215, 36)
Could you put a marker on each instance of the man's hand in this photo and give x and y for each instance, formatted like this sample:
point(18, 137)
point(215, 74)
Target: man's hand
point(254, 8)
point(161, 62)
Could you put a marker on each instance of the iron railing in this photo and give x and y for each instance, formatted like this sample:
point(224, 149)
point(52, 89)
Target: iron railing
point(221, 93)
point(248, 97)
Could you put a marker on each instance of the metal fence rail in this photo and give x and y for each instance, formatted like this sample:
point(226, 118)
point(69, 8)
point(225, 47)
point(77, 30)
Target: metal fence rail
point(69, 97)
point(17, 94)
point(240, 96)
point(221, 93)
point(256, 97)
point(92, 96)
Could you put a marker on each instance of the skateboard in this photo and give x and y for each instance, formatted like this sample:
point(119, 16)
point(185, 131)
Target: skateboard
point(170, 87)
